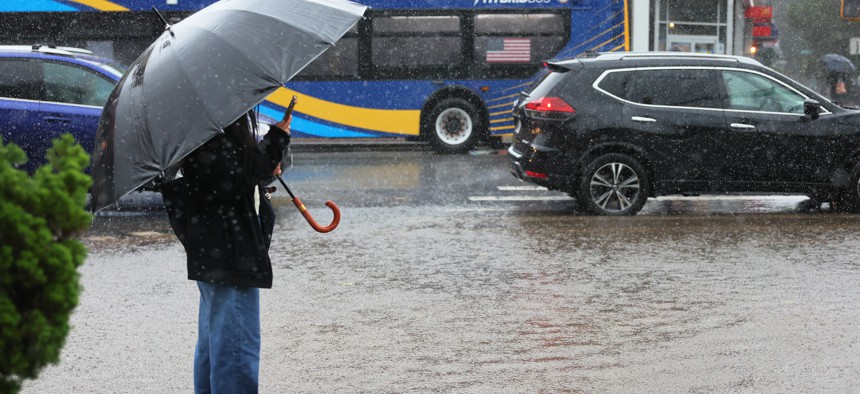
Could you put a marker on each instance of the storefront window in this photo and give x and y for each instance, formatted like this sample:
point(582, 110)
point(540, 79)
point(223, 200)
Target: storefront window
point(708, 11)
point(691, 26)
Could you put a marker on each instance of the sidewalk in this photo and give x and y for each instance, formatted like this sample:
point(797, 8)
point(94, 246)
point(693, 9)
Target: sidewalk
point(368, 144)
point(355, 145)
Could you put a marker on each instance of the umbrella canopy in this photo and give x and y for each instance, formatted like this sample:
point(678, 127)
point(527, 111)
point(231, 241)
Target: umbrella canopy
point(835, 63)
point(200, 76)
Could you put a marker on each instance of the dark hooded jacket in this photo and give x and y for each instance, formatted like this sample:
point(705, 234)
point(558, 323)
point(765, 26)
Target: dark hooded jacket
point(212, 207)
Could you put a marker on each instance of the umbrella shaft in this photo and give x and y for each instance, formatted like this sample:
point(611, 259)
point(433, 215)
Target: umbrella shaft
point(286, 188)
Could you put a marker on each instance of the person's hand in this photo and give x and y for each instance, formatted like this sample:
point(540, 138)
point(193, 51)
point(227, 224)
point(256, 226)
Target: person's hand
point(285, 124)
point(278, 170)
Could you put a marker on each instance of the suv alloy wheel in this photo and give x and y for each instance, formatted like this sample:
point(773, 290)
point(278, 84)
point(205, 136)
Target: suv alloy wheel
point(614, 184)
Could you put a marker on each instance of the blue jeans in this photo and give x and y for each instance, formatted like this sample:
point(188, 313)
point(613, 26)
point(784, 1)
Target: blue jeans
point(227, 358)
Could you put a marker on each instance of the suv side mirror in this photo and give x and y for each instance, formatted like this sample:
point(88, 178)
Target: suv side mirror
point(811, 108)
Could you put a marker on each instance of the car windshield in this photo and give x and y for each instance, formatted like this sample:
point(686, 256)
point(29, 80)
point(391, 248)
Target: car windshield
point(116, 68)
point(112, 66)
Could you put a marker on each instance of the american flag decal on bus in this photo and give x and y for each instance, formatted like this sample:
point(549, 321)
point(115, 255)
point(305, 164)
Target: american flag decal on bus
point(509, 50)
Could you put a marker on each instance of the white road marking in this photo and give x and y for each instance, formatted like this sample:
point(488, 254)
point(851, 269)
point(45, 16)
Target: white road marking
point(521, 188)
point(519, 198)
point(561, 197)
point(727, 198)
point(499, 209)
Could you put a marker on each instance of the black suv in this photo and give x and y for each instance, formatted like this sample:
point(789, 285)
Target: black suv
point(615, 129)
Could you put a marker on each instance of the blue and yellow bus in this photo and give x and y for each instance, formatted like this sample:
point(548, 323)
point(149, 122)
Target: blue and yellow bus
point(441, 71)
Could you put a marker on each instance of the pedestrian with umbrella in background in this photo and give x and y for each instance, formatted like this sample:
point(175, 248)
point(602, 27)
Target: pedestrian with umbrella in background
point(186, 103)
point(839, 73)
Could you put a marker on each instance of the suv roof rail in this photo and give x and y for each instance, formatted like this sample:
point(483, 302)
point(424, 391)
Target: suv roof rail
point(674, 55)
point(47, 49)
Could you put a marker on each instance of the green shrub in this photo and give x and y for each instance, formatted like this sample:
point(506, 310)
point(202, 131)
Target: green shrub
point(40, 219)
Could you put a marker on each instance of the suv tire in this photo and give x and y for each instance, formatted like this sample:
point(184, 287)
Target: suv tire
point(453, 126)
point(614, 184)
point(849, 199)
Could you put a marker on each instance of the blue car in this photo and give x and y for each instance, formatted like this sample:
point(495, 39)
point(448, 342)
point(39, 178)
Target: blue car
point(49, 91)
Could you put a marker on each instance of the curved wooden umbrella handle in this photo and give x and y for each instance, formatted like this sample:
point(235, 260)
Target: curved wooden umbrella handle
point(316, 226)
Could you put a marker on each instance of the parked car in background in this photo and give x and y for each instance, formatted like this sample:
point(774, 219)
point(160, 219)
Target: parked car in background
point(620, 127)
point(48, 91)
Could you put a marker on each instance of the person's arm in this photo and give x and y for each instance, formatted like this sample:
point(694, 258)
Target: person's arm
point(274, 146)
point(224, 167)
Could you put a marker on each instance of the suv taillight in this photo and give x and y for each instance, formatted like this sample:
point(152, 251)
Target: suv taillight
point(549, 108)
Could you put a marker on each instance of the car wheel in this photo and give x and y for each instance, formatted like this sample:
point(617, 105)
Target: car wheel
point(614, 185)
point(453, 126)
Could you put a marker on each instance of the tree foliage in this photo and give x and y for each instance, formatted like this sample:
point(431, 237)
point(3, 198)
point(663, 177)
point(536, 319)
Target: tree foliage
point(40, 220)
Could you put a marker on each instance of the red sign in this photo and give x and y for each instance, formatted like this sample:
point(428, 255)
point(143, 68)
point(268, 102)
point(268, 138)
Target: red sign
point(759, 13)
point(762, 30)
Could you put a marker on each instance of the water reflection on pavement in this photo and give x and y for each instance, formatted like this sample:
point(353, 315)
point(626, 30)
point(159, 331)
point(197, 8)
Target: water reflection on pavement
point(458, 295)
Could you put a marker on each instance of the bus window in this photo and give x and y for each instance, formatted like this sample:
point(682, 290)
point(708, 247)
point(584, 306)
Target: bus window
point(416, 41)
point(519, 24)
point(339, 61)
point(510, 39)
point(416, 24)
point(490, 51)
point(414, 52)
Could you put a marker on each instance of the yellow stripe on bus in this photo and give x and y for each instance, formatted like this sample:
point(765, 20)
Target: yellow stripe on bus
point(502, 105)
point(516, 87)
point(503, 97)
point(626, 27)
point(609, 30)
point(383, 120)
point(606, 42)
point(101, 5)
point(618, 48)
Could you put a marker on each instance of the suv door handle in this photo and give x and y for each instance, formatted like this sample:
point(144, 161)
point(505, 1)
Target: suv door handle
point(643, 119)
point(742, 126)
point(57, 119)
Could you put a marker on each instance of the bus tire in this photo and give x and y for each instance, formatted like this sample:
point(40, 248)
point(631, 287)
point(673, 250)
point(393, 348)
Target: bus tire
point(453, 126)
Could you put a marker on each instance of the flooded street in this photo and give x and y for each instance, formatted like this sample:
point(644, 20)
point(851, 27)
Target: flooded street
point(447, 274)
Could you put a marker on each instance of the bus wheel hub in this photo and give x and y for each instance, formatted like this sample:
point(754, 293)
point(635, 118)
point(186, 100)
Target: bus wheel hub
point(453, 126)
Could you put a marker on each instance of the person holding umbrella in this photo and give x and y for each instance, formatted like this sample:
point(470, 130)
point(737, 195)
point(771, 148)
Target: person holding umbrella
point(184, 104)
point(225, 227)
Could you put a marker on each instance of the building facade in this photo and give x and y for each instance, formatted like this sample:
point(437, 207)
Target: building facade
point(704, 26)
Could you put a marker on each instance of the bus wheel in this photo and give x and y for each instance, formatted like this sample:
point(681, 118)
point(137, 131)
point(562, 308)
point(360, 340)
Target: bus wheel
point(454, 125)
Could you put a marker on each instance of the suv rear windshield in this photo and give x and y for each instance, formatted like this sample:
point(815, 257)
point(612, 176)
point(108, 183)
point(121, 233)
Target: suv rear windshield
point(546, 84)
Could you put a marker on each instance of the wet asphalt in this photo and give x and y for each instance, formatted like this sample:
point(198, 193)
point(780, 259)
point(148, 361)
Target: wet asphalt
point(446, 274)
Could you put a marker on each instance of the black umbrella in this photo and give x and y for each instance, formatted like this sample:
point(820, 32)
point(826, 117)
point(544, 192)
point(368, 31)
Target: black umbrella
point(835, 63)
point(200, 76)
